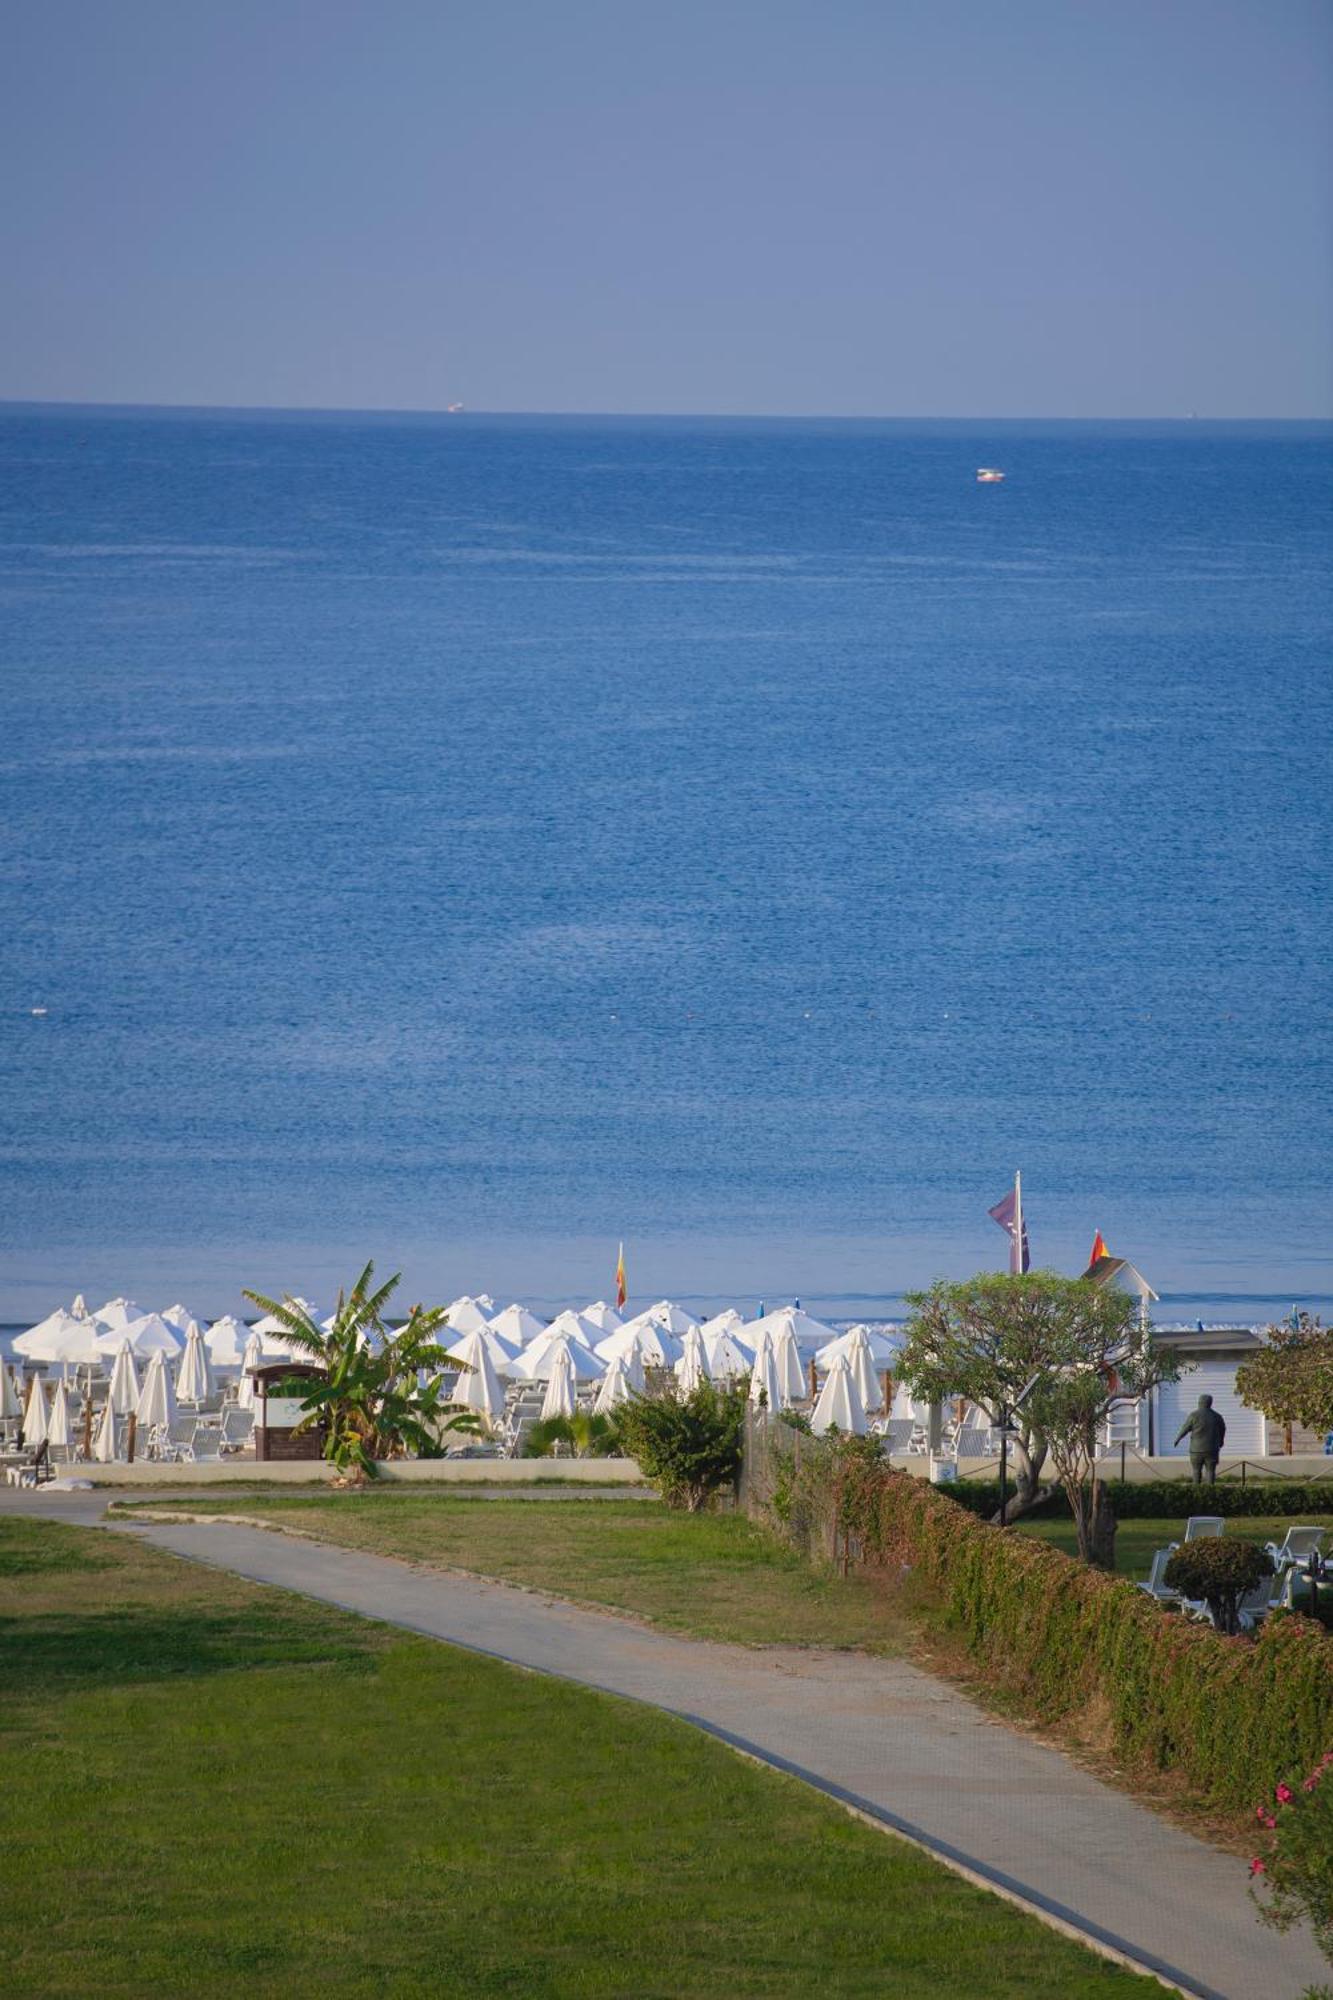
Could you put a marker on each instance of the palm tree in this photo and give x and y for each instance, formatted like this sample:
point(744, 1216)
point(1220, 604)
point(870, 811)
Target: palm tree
point(378, 1396)
point(589, 1433)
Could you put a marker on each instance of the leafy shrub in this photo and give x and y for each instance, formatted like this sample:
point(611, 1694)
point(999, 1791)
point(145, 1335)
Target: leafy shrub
point(1171, 1499)
point(688, 1446)
point(589, 1434)
point(1298, 1869)
point(1230, 1716)
point(1220, 1572)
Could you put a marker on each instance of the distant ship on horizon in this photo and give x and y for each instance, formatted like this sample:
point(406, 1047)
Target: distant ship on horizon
point(988, 475)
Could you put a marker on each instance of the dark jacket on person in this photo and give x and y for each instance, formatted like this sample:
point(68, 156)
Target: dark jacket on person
point(1206, 1431)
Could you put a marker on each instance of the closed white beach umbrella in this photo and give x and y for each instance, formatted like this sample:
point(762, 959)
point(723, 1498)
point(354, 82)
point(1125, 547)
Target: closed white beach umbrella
point(57, 1423)
point(791, 1374)
point(604, 1317)
point(839, 1403)
point(147, 1336)
point(692, 1368)
point(614, 1389)
point(728, 1357)
point(559, 1400)
point(226, 1341)
point(862, 1366)
point(253, 1357)
point(194, 1382)
point(104, 1444)
point(909, 1408)
point(498, 1352)
point(61, 1336)
point(469, 1315)
point(117, 1314)
point(36, 1414)
point(659, 1347)
point(729, 1353)
point(535, 1362)
point(883, 1347)
point(764, 1378)
point(157, 1398)
point(516, 1326)
point(123, 1394)
point(809, 1334)
point(632, 1363)
point(571, 1325)
point(11, 1401)
point(478, 1387)
point(666, 1313)
point(728, 1321)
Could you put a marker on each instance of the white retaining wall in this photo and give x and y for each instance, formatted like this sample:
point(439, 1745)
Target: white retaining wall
point(406, 1471)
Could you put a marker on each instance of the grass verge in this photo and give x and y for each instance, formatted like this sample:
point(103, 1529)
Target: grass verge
point(714, 1576)
point(216, 1787)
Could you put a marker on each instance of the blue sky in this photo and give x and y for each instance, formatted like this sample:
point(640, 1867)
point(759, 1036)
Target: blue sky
point(860, 207)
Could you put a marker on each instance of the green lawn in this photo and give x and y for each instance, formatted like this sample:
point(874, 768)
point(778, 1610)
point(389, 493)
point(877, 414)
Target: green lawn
point(715, 1576)
point(215, 1788)
point(1136, 1540)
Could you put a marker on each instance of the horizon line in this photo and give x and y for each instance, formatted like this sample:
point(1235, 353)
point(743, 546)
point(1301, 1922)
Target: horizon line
point(73, 403)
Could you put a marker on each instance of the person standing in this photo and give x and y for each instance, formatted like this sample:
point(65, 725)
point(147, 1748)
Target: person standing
point(1206, 1431)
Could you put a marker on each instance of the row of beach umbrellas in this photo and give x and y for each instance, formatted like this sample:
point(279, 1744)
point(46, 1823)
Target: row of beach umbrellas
point(494, 1348)
point(568, 1353)
point(75, 1335)
point(49, 1417)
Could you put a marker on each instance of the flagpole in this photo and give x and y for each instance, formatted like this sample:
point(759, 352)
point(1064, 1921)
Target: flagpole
point(1016, 1246)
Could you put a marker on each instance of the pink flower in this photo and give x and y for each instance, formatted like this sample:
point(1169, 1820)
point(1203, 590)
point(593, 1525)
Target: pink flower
point(1285, 1795)
point(1258, 1867)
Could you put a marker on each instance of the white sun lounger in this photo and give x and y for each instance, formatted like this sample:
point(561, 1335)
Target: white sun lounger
point(1300, 1544)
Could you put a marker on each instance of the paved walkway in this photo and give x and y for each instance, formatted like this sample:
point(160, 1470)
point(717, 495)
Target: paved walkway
point(879, 1734)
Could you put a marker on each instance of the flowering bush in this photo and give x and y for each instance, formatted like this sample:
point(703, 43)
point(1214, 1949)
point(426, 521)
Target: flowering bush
point(1297, 1871)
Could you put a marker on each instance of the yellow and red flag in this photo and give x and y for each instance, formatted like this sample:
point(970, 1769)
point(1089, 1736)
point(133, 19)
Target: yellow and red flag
point(1097, 1252)
point(622, 1292)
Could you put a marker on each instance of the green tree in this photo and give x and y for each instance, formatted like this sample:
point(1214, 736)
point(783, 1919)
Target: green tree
point(381, 1393)
point(1291, 1379)
point(688, 1446)
point(1054, 1352)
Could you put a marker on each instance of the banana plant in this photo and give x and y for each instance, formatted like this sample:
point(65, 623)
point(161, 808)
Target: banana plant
point(381, 1392)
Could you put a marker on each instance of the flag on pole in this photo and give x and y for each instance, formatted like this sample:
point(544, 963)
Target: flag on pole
point(1097, 1252)
point(1009, 1214)
point(622, 1292)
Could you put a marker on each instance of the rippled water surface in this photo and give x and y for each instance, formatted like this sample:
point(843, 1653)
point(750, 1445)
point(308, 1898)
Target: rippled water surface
point(479, 839)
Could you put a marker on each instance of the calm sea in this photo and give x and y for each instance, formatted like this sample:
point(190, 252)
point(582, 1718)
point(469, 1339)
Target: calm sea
point(471, 841)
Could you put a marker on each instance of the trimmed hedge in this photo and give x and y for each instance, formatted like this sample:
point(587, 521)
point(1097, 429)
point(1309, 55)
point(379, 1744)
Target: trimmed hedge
point(1232, 1717)
point(1168, 1499)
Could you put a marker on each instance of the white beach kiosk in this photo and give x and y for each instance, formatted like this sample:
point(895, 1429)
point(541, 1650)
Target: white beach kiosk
point(1211, 1356)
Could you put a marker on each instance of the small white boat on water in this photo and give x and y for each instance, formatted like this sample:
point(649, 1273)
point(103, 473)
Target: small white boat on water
point(988, 475)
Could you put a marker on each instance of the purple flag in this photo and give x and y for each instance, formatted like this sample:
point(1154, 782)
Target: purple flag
point(1009, 1214)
